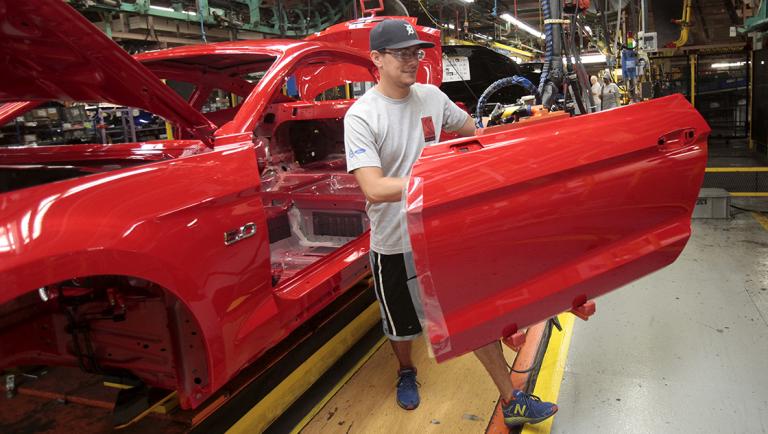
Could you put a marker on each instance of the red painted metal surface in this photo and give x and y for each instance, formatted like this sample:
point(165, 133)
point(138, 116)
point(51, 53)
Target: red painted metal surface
point(128, 252)
point(555, 213)
point(512, 227)
point(188, 311)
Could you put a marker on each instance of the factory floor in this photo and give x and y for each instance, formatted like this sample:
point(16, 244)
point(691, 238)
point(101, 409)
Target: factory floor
point(684, 350)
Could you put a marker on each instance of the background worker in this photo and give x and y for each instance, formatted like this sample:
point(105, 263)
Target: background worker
point(385, 131)
point(610, 96)
point(595, 89)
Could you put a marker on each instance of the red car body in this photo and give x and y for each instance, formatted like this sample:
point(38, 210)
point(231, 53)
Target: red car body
point(184, 260)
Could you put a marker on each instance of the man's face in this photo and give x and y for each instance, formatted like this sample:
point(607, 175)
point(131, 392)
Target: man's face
point(399, 66)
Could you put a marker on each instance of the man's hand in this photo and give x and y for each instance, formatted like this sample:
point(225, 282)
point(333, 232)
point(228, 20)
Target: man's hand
point(468, 129)
point(378, 188)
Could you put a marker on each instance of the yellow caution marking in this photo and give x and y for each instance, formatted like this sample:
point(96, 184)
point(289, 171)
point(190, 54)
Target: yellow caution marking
point(155, 408)
point(750, 193)
point(735, 169)
point(763, 220)
point(316, 409)
point(552, 370)
point(286, 393)
point(114, 385)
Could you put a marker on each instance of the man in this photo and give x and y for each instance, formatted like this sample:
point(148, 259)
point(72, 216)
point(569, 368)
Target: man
point(384, 133)
point(609, 94)
point(595, 89)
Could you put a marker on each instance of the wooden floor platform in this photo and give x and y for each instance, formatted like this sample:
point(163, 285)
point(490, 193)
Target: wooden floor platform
point(457, 396)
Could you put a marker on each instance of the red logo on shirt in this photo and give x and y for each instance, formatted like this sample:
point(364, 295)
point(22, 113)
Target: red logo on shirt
point(429, 128)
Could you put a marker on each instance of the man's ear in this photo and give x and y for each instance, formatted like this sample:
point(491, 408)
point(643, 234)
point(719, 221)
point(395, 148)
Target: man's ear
point(376, 58)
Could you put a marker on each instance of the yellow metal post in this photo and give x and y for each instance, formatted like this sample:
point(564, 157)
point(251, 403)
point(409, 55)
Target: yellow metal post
point(692, 61)
point(168, 130)
point(168, 127)
point(685, 23)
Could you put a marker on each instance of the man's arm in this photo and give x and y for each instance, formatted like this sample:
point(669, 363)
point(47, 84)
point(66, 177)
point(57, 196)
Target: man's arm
point(378, 188)
point(468, 129)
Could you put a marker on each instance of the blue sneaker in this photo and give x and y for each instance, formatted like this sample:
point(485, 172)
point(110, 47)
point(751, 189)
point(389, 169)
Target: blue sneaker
point(525, 408)
point(407, 389)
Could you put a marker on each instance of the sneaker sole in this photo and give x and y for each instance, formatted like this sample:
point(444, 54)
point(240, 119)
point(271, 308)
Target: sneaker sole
point(513, 422)
point(405, 407)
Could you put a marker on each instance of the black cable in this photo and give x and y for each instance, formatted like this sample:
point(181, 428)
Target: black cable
point(537, 365)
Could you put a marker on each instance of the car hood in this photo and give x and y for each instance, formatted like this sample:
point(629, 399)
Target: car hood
point(51, 52)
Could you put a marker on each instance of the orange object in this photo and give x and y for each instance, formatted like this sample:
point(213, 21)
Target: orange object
point(515, 341)
point(585, 310)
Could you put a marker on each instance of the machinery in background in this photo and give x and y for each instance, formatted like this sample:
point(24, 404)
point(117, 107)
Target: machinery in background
point(468, 70)
point(72, 124)
point(563, 80)
point(49, 124)
point(563, 86)
point(212, 19)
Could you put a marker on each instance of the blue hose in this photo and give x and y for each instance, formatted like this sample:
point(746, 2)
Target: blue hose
point(515, 80)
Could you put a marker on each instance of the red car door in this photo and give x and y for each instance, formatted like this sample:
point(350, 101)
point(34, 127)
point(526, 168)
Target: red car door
point(521, 223)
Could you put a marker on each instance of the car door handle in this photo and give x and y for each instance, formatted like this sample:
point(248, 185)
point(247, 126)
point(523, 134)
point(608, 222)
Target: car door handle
point(677, 139)
point(462, 148)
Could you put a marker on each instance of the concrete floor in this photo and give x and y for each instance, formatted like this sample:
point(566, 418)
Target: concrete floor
point(684, 350)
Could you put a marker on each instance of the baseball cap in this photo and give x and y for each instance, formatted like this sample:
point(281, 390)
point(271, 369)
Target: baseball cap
point(395, 34)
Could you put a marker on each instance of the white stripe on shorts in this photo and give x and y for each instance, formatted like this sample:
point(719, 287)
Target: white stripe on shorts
point(384, 299)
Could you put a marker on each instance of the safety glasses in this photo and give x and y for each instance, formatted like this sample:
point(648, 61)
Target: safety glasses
point(405, 55)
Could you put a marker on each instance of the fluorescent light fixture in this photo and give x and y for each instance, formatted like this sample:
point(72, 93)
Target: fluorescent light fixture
point(468, 1)
point(521, 25)
point(593, 58)
point(727, 65)
point(487, 38)
point(167, 9)
point(587, 58)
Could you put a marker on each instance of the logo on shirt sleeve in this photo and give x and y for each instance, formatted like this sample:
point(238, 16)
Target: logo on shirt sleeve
point(428, 127)
point(353, 153)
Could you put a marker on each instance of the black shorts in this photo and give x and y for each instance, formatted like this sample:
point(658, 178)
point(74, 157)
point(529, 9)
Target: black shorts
point(398, 314)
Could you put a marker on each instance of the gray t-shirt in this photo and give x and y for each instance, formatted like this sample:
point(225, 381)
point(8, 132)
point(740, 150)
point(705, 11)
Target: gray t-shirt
point(390, 134)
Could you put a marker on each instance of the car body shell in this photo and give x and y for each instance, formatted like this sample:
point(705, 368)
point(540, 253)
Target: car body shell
point(164, 215)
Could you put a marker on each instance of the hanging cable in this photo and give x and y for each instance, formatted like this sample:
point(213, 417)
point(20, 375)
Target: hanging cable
point(202, 24)
point(549, 45)
point(431, 18)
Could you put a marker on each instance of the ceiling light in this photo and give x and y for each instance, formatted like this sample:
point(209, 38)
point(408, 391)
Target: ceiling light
point(521, 25)
point(588, 58)
point(728, 65)
point(167, 9)
point(593, 58)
